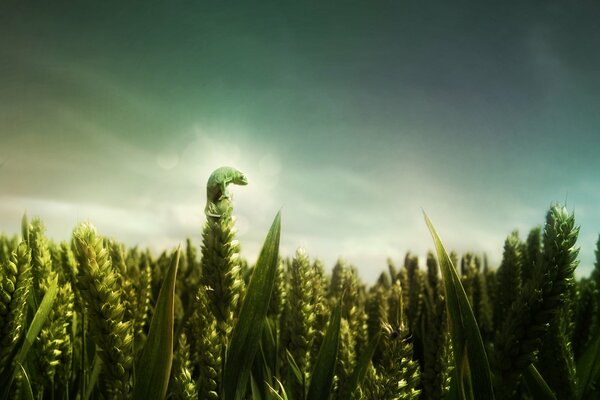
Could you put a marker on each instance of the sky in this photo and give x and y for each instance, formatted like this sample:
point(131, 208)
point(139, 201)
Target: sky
point(351, 117)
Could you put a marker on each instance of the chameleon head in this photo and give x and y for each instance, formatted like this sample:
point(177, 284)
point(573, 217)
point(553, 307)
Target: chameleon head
point(240, 179)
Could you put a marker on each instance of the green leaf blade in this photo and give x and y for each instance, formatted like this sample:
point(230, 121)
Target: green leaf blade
point(154, 367)
point(466, 338)
point(246, 336)
point(538, 387)
point(323, 372)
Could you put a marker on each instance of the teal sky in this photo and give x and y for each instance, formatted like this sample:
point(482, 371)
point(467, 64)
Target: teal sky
point(351, 116)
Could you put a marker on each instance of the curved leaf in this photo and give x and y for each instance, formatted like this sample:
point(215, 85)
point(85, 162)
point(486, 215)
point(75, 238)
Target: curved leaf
point(538, 387)
point(322, 374)
point(245, 339)
point(470, 359)
point(154, 366)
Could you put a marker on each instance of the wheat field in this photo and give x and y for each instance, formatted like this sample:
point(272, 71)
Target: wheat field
point(92, 319)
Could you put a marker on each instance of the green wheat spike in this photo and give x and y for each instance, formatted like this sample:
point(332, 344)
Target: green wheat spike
point(5, 249)
point(346, 359)
point(399, 375)
point(532, 253)
point(189, 281)
point(184, 386)
point(221, 266)
point(520, 337)
point(322, 308)
point(415, 292)
point(143, 300)
point(436, 352)
point(371, 383)
point(99, 284)
point(299, 327)
point(482, 305)
point(377, 312)
point(206, 347)
point(508, 277)
point(133, 260)
point(67, 266)
point(15, 286)
point(433, 272)
point(556, 361)
point(117, 256)
point(41, 260)
point(159, 268)
point(53, 346)
point(384, 281)
point(336, 282)
point(353, 308)
point(55, 256)
point(392, 270)
point(395, 302)
point(468, 271)
point(277, 302)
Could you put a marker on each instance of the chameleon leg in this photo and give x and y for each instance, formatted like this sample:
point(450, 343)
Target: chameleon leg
point(224, 194)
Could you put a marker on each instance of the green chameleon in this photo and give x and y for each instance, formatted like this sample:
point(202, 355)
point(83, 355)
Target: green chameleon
point(216, 187)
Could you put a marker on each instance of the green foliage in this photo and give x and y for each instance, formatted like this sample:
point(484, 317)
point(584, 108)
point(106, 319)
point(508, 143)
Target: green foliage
point(15, 286)
point(221, 269)
point(520, 337)
point(508, 276)
point(98, 283)
point(436, 347)
point(184, 387)
point(154, 367)
point(299, 324)
point(472, 372)
point(322, 375)
point(246, 335)
point(95, 319)
point(206, 346)
point(398, 373)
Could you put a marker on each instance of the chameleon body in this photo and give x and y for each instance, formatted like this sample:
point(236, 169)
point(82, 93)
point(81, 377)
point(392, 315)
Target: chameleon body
point(216, 188)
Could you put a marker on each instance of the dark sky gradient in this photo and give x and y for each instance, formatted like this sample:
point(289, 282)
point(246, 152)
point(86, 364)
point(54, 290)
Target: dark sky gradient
point(351, 115)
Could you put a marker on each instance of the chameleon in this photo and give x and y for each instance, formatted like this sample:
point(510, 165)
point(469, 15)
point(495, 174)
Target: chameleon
point(216, 187)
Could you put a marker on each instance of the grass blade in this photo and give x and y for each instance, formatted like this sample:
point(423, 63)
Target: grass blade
point(294, 367)
point(538, 387)
point(247, 332)
point(466, 338)
point(322, 374)
point(154, 366)
point(40, 317)
point(26, 384)
point(256, 392)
